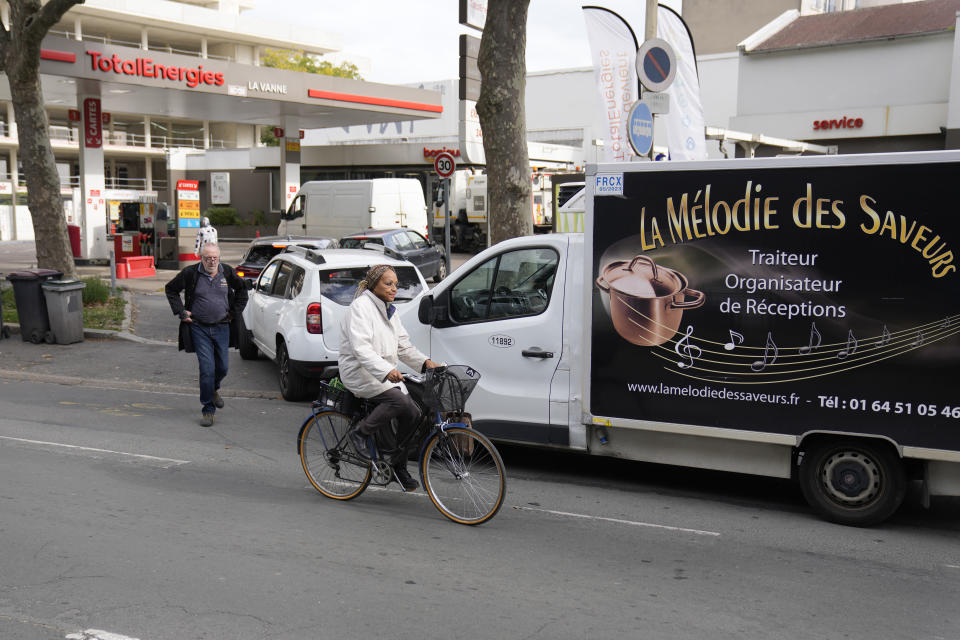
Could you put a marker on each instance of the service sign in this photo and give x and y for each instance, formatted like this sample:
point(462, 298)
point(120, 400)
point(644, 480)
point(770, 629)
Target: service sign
point(781, 299)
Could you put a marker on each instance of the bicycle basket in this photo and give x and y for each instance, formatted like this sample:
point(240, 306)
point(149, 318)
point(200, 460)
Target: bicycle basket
point(333, 396)
point(447, 388)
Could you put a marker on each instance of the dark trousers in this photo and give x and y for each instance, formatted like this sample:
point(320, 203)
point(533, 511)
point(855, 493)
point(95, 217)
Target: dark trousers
point(212, 344)
point(392, 403)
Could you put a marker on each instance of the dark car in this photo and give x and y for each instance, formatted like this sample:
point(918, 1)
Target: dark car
point(404, 244)
point(261, 250)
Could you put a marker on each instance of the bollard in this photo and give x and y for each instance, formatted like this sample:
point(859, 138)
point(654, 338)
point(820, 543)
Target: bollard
point(113, 274)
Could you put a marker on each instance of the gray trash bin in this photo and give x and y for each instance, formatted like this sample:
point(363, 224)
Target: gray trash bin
point(65, 309)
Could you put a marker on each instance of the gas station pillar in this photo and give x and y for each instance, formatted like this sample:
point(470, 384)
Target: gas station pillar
point(94, 216)
point(290, 160)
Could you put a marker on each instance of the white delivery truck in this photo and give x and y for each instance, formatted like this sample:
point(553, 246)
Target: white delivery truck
point(469, 206)
point(336, 208)
point(781, 317)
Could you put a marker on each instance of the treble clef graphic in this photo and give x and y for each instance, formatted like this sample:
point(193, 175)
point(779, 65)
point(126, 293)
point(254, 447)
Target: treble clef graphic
point(685, 349)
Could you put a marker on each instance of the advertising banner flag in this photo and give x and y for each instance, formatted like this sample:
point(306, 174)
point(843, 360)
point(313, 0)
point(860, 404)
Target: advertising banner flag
point(614, 51)
point(684, 122)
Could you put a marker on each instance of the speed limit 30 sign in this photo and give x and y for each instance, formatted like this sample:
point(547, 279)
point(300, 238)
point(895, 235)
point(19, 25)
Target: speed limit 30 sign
point(444, 164)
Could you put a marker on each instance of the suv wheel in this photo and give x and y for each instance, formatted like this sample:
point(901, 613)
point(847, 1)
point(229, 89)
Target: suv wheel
point(293, 386)
point(248, 350)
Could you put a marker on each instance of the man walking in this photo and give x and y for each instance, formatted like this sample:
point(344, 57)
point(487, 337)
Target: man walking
point(209, 320)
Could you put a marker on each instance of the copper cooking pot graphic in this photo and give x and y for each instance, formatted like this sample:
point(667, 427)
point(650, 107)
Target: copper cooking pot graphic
point(646, 300)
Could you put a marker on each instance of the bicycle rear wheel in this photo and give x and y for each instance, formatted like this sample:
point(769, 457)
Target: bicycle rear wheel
point(328, 457)
point(464, 476)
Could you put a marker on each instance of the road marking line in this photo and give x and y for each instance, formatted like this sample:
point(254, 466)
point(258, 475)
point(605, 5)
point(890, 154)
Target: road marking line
point(633, 523)
point(952, 566)
point(73, 446)
point(97, 634)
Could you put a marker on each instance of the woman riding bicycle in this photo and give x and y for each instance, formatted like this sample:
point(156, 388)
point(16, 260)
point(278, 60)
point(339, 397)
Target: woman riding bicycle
point(373, 342)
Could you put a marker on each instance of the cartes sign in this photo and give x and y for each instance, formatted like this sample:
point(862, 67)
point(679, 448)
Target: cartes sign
point(92, 127)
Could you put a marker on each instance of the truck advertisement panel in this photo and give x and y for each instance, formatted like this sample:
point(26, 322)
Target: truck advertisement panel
point(780, 299)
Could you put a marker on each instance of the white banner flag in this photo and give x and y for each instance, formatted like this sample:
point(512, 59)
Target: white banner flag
point(685, 132)
point(614, 50)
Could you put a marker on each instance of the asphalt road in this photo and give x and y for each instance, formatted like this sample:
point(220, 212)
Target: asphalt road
point(119, 513)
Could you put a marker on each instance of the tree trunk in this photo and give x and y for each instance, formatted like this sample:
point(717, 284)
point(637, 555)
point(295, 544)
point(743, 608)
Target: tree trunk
point(20, 60)
point(43, 181)
point(501, 107)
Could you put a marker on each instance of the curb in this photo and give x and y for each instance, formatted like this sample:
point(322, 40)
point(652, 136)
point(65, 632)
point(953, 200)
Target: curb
point(76, 381)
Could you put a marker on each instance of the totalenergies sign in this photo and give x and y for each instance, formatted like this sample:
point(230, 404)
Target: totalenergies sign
point(147, 68)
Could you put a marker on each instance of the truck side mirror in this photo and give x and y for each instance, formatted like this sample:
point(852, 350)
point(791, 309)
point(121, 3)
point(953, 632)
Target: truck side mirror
point(425, 312)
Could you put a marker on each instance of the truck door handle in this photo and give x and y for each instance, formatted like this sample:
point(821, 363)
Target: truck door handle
point(536, 352)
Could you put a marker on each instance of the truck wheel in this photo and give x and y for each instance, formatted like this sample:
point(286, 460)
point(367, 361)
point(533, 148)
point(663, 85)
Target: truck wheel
point(248, 349)
point(853, 482)
point(293, 386)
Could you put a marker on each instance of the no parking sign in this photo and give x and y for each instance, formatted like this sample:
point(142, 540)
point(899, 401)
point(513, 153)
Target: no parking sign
point(656, 64)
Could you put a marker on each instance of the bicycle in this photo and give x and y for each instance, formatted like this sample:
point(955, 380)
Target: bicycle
point(460, 469)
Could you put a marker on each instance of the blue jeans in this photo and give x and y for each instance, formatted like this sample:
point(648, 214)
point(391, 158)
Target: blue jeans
point(212, 344)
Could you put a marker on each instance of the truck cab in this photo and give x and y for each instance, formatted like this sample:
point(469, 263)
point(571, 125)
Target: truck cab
point(512, 312)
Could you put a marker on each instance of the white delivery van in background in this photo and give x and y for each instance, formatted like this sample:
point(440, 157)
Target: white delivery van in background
point(336, 208)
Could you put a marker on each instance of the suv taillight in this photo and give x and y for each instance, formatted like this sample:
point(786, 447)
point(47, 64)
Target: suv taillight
point(314, 318)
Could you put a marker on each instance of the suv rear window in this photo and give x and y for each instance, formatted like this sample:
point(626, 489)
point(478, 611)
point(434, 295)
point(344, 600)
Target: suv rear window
point(260, 255)
point(341, 284)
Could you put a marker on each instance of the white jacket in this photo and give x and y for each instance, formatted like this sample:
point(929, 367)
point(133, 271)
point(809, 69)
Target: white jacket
point(205, 235)
point(372, 345)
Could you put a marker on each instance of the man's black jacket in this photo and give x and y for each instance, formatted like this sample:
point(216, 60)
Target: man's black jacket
point(186, 281)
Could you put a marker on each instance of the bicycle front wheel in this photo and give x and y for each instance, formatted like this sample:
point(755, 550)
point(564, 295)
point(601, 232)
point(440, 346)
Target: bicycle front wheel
point(328, 458)
point(464, 476)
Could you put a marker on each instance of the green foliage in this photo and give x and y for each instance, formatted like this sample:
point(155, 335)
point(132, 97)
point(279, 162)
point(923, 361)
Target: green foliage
point(96, 292)
point(259, 218)
point(223, 216)
point(9, 307)
point(308, 63)
point(267, 138)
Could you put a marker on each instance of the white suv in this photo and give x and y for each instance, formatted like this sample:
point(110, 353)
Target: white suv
point(297, 304)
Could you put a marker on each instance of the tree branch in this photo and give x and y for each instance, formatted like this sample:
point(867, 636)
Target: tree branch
point(49, 15)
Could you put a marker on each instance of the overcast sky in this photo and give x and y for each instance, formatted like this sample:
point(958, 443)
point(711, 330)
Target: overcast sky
point(416, 40)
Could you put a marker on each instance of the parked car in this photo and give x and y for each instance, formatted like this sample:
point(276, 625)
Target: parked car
point(404, 244)
point(261, 250)
point(298, 303)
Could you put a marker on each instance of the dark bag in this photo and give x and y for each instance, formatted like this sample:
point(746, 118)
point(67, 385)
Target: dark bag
point(186, 337)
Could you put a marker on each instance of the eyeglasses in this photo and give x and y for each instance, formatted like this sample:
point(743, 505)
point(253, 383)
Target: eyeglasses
point(209, 258)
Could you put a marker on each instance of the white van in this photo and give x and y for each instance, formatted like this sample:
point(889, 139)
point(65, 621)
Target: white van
point(336, 208)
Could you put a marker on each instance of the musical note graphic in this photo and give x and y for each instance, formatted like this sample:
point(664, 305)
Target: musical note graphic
point(735, 339)
point(686, 350)
point(945, 324)
point(918, 340)
point(814, 334)
point(884, 336)
point(851, 346)
point(760, 365)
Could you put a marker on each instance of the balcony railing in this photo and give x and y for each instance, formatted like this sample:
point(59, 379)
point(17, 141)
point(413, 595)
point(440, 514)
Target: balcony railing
point(73, 182)
point(71, 135)
point(164, 48)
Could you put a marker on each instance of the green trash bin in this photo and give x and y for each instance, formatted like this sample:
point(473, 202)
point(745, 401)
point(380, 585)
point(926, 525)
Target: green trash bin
point(65, 309)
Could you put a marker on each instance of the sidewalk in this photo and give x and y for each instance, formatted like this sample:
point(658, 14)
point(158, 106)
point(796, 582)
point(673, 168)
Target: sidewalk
point(143, 354)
